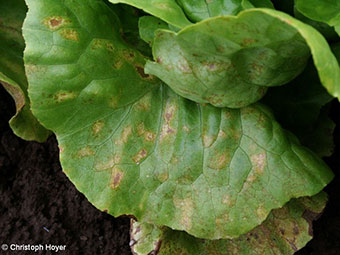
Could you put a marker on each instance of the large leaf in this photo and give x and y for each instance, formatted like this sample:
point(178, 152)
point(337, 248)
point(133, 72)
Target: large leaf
point(176, 12)
point(132, 146)
point(285, 231)
point(167, 10)
point(12, 72)
point(321, 10)
point(228, 61)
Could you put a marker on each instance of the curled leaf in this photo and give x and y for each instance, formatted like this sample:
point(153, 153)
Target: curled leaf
point(230, 61)
point(167, 10)
point(12, 72)
point(285, 231)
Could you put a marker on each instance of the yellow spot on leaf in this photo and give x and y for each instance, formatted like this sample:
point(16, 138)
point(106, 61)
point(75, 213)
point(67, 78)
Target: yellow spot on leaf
point(222, 134)
point(140, 129)
point(186, 129)
point(85, 152)
point(97, 127)
point(221, 222)
point(163, 176)
point(186, 208)
point(219, 160)
point(63, 96)
point(208, 140)
point(124, 136)
point(259, 162)
point(227, 200)
point(261, 212)
point(118, 64)
point(102, 44)
point(149, 136)
point(144, 104)
point(70, 34)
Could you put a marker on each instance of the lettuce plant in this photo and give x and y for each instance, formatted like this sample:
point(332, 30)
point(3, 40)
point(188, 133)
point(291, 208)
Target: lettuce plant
point(175, 114)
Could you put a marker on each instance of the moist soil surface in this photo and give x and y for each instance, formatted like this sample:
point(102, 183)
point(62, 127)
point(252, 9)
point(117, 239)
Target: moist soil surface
point(39, 205)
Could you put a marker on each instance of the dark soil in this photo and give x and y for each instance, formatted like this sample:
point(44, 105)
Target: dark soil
point(39, 205)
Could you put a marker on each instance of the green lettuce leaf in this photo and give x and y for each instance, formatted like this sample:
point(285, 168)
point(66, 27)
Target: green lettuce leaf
point(133, 146)
point(12, 72)
point(167, 10)
point(322, 11)
point(148, 26)
point(202, 9)
point(176, 12)
point(285, 231)
point(230, 61)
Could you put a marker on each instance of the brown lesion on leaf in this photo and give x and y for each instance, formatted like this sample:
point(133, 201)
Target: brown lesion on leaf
point(183, 66)
point(140, 156)
point(159, 60)
point(85, 152)
point(63, 96)
point(98, 43)
point(97, 127)
point(147, 135)
point(142, 74)
point(127, 131)
point(117, 177)
point(168, 116)
point(246, 42)
point(69, 34)
point(129, 55)
point(55, 22)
